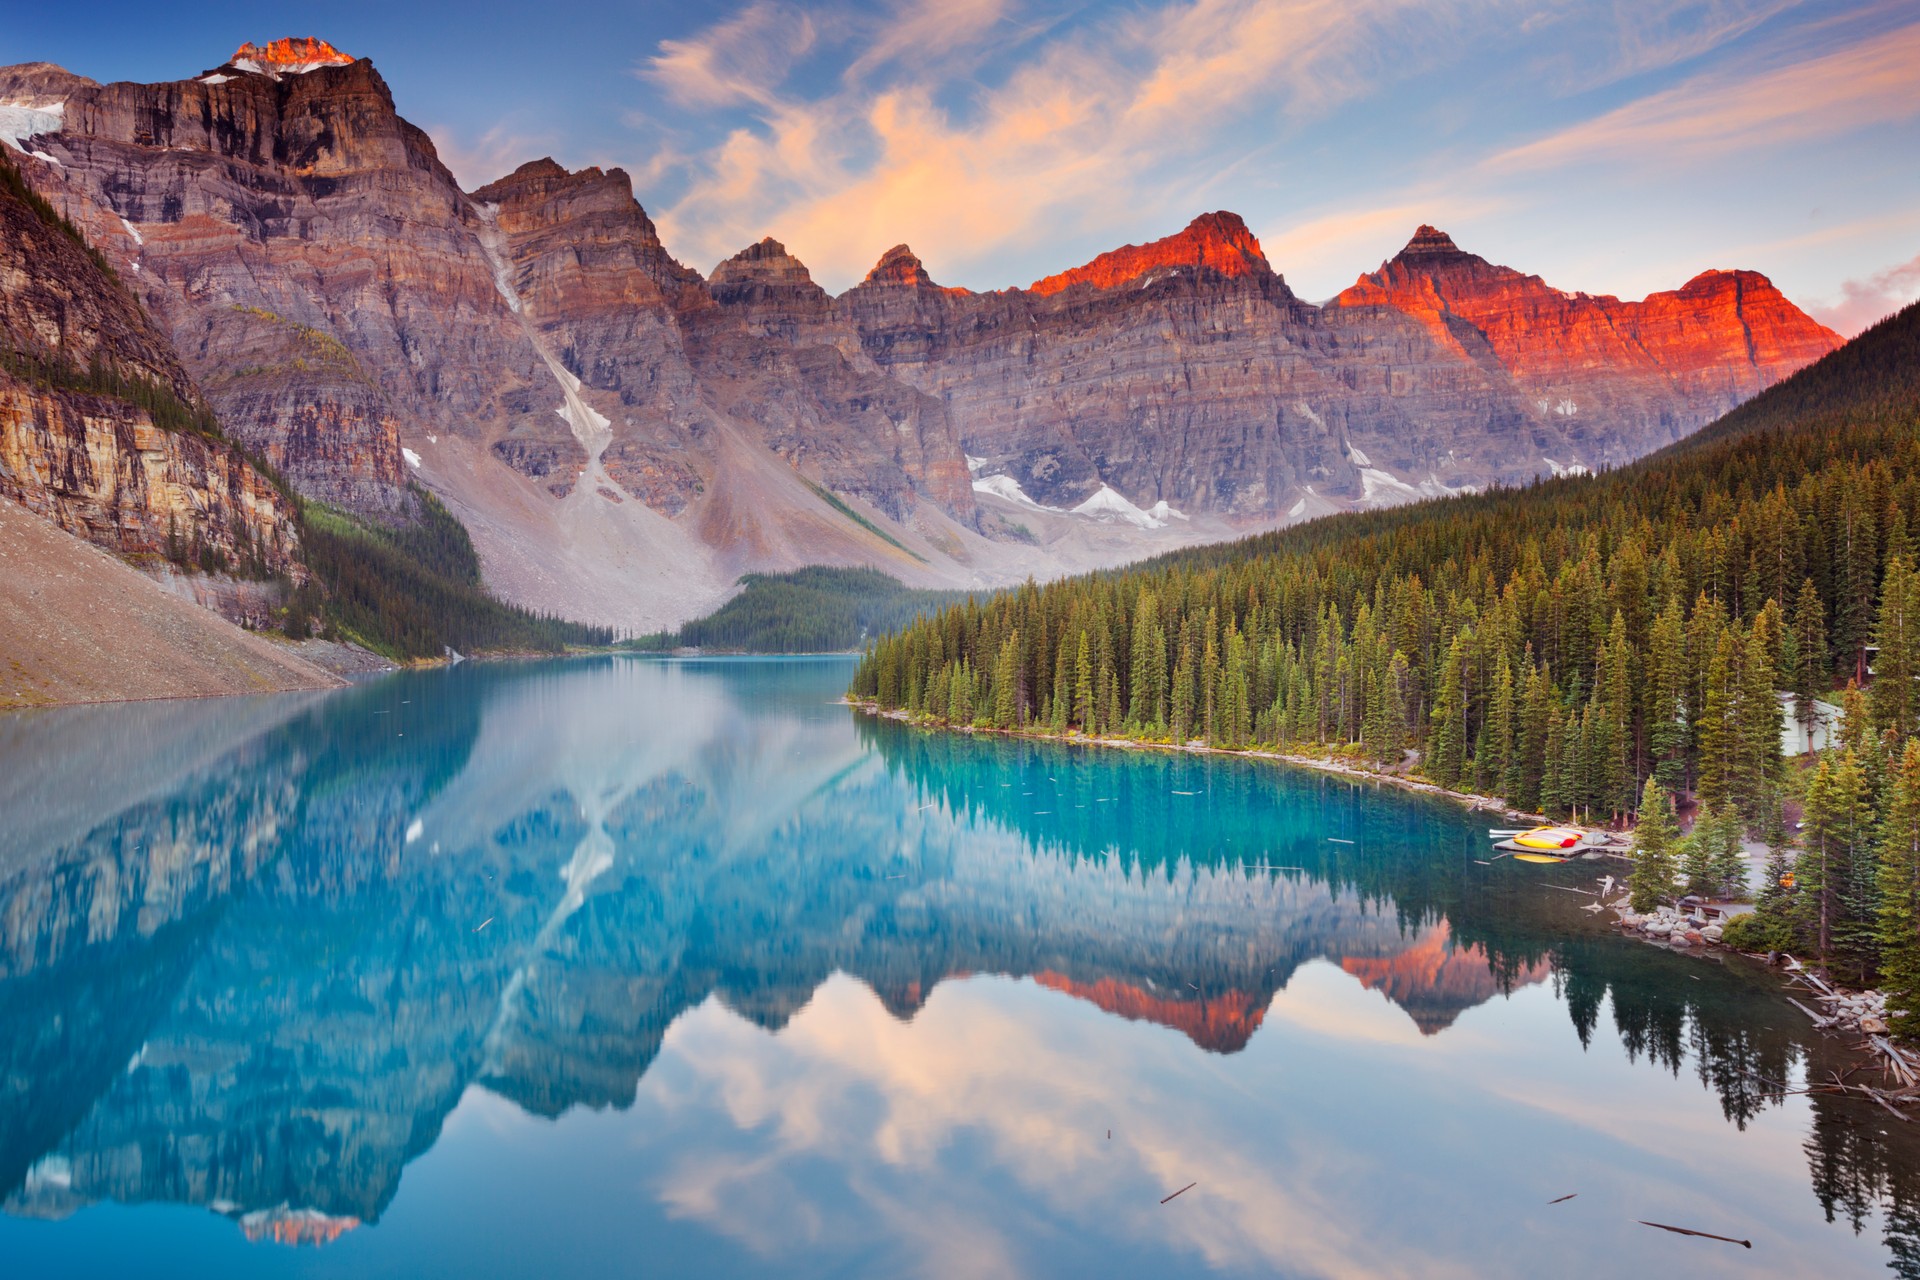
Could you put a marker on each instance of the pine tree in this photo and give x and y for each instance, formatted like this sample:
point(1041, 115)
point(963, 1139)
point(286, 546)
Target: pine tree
point(1757, 719)
point(1899, 884)
point(1717, 734)
point(1726, 856)
point(1183, 674)
point(1895, 695)
point(1696, 855)
point(1614, 746)
point(1398, 708)
point(1813, 666)
point(1666, 692)
point(1009, 704)
point(1836, 873)
point(1531, 749)
point(1062, 701)
point(1651, 882)
point(1494, 754)
point(1083, 712)
point(1447, 744)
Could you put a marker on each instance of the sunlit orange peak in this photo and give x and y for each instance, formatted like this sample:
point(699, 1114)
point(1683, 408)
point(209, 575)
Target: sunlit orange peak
point(1217, 241)
point(294, 53)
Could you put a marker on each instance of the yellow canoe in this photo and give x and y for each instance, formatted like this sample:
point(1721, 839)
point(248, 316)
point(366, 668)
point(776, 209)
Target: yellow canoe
point(1551, 838)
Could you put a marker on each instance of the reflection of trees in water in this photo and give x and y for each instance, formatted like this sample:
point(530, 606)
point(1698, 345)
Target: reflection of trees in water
point(1863, 1159)
point(1416, 859)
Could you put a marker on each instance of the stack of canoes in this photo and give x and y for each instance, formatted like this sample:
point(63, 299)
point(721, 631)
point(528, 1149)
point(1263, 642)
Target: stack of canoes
point(1548, 844)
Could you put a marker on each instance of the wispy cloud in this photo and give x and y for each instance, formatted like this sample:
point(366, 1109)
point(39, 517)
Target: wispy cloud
point(1862, 302)
point(923, 33)
point(1353, 240)
point(1869, 82)
point(742, 59)
point(474, 162)
point(964, 172)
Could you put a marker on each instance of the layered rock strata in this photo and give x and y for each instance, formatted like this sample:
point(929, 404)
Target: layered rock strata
point(82, 377)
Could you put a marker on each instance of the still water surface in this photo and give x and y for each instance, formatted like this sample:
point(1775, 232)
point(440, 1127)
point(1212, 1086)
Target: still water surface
point(623, 967)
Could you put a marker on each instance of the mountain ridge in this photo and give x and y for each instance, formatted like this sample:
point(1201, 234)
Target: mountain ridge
point(626, 436)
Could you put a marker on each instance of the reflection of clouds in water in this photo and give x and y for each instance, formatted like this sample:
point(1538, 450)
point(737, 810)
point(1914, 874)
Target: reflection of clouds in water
point(890, 1105)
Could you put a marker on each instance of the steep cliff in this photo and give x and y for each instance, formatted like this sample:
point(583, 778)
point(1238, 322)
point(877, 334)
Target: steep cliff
point(100, 429)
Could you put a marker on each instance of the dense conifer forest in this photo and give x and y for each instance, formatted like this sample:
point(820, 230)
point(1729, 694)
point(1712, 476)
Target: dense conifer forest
point(812, 610)
point(414, 590)
point(1574, 647)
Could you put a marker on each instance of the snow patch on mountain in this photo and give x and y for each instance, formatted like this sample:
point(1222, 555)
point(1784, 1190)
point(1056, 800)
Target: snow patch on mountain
point(1107, 504)
point(1009, 488)
point(22, 120)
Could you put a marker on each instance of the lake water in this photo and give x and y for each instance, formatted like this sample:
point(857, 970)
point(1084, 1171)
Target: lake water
point(629, 967)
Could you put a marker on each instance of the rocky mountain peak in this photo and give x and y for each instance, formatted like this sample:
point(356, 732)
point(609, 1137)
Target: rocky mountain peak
point(1218, 241)
point(1429, 242)
point(293, 55)
point(767, 262)
point(899, 266)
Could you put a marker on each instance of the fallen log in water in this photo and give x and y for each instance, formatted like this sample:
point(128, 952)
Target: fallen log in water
point(1705, 1235)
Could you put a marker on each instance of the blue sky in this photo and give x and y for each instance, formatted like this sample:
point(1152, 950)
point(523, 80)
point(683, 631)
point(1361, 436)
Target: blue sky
point(1611, 148)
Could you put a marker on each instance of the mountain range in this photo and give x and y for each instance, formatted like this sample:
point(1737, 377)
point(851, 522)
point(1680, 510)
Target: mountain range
point(623, 436)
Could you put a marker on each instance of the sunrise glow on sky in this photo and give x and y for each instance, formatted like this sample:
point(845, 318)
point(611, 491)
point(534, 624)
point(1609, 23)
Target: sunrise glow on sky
point(1610, 148)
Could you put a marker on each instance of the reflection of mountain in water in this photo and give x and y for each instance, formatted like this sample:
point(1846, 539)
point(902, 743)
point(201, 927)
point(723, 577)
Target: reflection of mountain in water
point(1435, 981)
point(262, 987)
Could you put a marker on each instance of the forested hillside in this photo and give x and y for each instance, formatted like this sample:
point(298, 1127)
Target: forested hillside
point(414, 590)
point(1555, 645)
point(818, 609)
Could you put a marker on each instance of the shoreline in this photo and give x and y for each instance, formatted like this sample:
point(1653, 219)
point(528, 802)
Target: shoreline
point(1473, 801)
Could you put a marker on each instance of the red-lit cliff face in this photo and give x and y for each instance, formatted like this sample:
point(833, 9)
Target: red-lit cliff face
point(1185, 371)
point(1435, 981)
point(1217, 241)
point(899, 267)
point(1684, 356)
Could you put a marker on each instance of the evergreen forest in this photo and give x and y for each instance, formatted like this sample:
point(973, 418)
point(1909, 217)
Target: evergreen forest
point(817, 609)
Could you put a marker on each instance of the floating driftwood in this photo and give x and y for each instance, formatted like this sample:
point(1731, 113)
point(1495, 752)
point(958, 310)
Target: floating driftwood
point(1704, 1235)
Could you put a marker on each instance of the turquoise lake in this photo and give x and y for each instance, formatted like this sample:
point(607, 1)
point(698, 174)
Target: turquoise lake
point(611, 967)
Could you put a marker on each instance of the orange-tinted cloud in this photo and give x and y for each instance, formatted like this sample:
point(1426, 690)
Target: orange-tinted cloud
point(1870, 82)
point(1863, 302)
point(841, 177)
